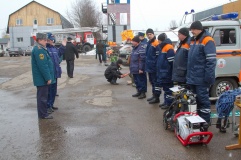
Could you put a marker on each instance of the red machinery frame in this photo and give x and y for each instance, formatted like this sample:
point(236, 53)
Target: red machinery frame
point(187, 141)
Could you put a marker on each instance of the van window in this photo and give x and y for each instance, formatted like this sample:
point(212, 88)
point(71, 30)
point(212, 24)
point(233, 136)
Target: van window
point(225, 37)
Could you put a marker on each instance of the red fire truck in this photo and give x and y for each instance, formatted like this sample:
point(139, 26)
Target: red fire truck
point(83, 37)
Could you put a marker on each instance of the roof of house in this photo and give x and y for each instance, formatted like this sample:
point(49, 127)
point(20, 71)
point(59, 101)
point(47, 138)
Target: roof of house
point(4, 40)
point(64, 21)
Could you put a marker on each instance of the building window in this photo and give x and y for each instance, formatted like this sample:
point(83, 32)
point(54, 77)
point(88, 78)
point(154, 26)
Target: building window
point(50, 20)
point(20, 39)
point(123, 1)
point(111, 1)
point(19, 22)
point(225, 37)
point(35, 21)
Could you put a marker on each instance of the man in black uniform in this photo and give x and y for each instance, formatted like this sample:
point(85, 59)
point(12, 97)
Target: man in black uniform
point(69, 56)
point(113, 72)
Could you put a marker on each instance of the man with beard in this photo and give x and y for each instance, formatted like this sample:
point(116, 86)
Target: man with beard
point(201, 67)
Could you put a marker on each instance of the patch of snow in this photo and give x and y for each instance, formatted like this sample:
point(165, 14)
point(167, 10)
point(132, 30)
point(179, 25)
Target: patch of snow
point(92, 52)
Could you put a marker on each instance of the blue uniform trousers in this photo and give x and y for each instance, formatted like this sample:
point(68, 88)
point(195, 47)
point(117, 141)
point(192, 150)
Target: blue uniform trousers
point(168, 99)
point(141, 82)
point(52, 94)
point(203, 103)
point(42, 97)
point(152, 80)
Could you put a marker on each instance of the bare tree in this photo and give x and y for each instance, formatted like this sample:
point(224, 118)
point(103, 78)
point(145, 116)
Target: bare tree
point(84, 13)
point(173, 25)
point(4, 34)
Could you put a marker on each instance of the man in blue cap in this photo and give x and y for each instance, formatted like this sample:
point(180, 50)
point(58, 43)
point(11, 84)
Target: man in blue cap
point(137, 67)
point(43, 74)
point(55, 54)
point(142, 38)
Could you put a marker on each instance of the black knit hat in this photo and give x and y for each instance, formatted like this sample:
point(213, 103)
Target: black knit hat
point(119, 61)
point(136, 39)
point(149, 30)
point(162, 37)
point(184, 31)
point(196, 25)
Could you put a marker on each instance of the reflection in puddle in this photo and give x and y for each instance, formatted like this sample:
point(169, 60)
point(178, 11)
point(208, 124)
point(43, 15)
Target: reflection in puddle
point(2, 80)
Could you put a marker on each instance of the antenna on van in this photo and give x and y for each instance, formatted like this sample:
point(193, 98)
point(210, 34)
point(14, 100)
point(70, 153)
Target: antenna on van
point(185, 16)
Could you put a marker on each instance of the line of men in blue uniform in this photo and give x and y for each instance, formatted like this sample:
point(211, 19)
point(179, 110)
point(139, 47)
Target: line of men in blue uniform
point(193, 63)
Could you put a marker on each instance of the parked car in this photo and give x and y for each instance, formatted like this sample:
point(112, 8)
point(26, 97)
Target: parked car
point(2, 52)
point(124, 53)
point(15, 52)
point(28, 51)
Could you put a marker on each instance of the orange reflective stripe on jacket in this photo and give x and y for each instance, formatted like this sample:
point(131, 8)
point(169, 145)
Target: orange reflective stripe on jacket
point(206, 40)
point(185, 46)
point(166, 48)
point(155, 43)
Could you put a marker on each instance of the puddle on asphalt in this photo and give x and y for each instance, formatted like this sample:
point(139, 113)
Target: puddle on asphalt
point(101, 101)
point(2, 80)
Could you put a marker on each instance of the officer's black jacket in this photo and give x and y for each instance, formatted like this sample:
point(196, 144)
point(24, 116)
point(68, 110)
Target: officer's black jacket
point(113, 70)
point(70, 52)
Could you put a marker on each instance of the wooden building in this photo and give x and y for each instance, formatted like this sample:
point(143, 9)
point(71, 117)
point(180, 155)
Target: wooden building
point(31, 18)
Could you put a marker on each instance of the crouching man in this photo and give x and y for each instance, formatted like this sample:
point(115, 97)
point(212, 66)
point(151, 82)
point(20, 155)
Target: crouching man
point(113, 72)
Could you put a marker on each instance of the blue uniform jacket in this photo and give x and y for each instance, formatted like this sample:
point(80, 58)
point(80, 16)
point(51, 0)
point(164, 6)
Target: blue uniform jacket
point(165, 61)
point(201, 60)
point(137, 59)
point(55, 55)
point(180, 62)
point(42, 66)
point(144, 42)
point(151, 55)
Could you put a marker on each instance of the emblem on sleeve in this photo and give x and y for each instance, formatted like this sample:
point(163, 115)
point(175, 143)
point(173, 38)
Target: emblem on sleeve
point(41, 56)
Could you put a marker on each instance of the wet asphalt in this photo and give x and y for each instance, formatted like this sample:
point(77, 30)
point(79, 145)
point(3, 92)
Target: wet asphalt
point(95, 120)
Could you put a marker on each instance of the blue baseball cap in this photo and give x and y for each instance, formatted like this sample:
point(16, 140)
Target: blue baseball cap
point(141, 34)
point(51, 37)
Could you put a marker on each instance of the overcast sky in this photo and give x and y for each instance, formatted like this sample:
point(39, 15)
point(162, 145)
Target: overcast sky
point(156, 14)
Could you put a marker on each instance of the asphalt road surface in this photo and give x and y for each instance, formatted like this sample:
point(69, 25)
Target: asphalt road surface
point(95, 120)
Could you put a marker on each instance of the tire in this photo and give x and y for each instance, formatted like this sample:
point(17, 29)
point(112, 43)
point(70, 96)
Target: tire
point(164, 120)
point(10, 55)
point(220, 85)
point(86, 48)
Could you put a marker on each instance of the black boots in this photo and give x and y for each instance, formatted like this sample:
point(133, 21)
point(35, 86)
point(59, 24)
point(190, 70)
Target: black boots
point(113, 81)
point(164, 106)
point(149, 99)
point(137, 94)
point(142, 95)
point(154, 100)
